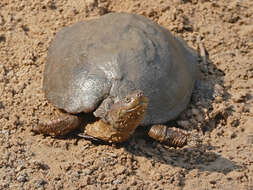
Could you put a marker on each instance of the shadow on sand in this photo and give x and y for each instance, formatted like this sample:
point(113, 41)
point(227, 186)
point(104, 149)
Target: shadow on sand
point(199, 156)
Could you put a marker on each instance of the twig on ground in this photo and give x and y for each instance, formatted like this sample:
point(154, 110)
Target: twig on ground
point(202, 52)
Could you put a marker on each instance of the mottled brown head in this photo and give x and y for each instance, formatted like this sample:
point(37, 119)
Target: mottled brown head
point(122, 119)
point(128, 113)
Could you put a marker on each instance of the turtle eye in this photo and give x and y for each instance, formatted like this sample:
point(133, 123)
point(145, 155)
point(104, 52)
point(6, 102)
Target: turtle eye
point(127, 100)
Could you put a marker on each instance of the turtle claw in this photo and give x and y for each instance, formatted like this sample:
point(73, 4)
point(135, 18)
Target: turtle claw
point(88, 137)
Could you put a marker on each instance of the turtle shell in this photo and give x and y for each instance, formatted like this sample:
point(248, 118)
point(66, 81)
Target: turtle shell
point(112, 56)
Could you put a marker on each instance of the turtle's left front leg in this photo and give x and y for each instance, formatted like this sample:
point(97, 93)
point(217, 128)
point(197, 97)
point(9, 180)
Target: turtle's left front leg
point(63, 124)
point(174, 137)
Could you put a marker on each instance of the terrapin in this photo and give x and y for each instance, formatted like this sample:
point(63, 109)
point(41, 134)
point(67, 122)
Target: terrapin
point(126, 70)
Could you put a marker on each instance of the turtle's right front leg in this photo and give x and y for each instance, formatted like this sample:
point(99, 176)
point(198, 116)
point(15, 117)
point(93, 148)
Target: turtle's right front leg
point(64, 124)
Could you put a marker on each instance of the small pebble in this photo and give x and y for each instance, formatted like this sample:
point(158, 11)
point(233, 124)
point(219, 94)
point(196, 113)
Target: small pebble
point(40, 182)
point(90, 2)
point(87, 171)
point(232, 135)
point(183, 123)
point(239, 97)
point(120, 170)
point(22, 178)
point(111, 154)
point(117, 181)
point(195, 112)
point(19, 168)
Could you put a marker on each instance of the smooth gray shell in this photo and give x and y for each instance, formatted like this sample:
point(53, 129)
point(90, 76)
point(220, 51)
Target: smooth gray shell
point(104, 59)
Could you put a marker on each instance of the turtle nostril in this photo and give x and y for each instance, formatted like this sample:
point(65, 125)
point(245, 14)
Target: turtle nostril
point(140, 93)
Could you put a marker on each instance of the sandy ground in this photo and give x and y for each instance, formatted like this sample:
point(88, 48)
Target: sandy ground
point(220, 112)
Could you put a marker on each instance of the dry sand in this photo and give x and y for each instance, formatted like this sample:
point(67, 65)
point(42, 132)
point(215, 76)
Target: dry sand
point(220, 112)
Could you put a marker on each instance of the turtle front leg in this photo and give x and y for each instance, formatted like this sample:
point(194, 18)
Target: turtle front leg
point(64, 124)
point(170, 136)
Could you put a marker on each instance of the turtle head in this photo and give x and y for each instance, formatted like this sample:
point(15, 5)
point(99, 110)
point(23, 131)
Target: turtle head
point(121, 120)
point(129, 111)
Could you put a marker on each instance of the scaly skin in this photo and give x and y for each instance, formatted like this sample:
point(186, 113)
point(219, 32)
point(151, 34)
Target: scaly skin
point(170, 136)
point(64, 124)
point(122, 119)
point(120, 122)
